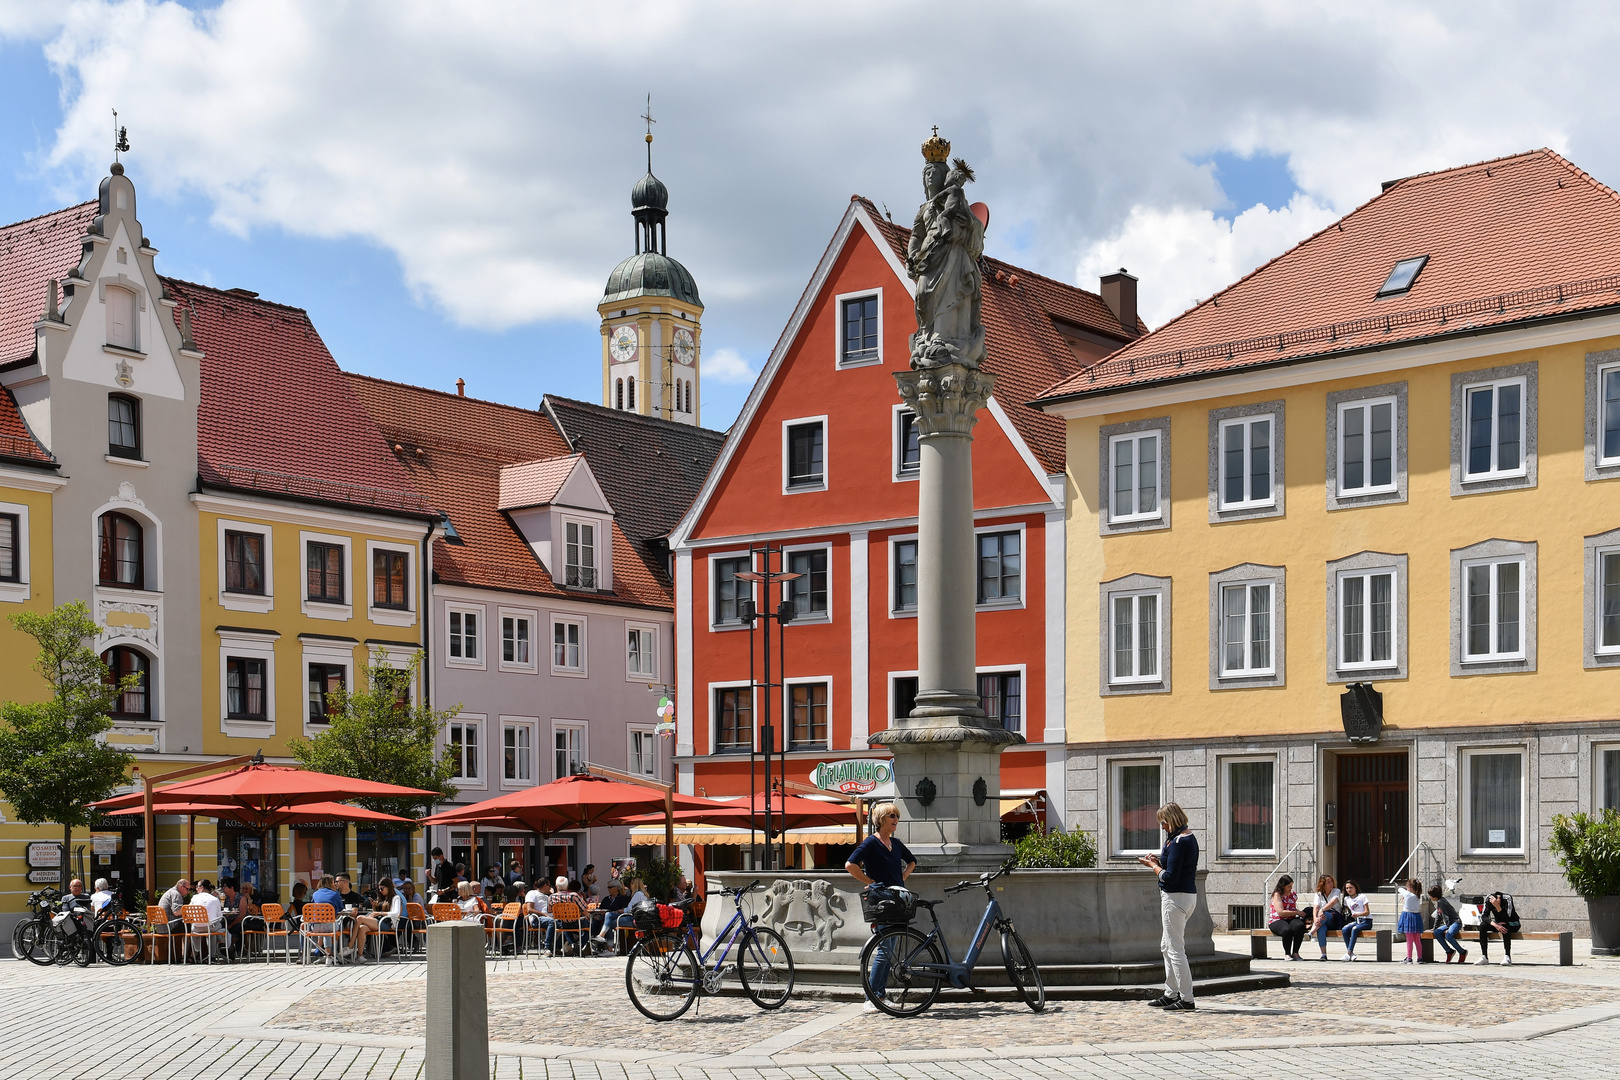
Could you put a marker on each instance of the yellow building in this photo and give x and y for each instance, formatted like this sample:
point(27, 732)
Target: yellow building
point(1370, 482)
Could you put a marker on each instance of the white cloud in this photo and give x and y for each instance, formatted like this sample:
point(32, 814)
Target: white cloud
point(726, 365)
point(1184, 254)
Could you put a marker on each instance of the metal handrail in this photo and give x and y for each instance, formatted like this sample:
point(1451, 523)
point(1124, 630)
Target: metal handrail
point(1434, 860)
point(1292, 860)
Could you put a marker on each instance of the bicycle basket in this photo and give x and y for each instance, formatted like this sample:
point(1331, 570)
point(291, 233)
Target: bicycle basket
point(888, 904)
point(646, 916)
point(672, 918)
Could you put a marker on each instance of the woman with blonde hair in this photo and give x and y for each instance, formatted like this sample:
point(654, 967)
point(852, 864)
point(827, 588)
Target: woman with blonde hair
point(881, 860)
point(1177, 868)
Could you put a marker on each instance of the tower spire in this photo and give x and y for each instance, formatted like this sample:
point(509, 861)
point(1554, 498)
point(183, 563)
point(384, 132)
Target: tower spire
point(647, 116)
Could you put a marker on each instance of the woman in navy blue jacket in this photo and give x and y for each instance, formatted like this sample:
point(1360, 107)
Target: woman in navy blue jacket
point(1177, 867)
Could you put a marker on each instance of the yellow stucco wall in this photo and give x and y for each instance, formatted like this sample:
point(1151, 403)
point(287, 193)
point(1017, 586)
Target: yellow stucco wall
point(18, 680)
point(1558, 513)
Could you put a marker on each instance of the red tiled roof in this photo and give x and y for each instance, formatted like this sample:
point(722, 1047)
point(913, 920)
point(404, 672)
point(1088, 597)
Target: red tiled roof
point(17, 442)
point(1023, 349)
point(31, 253)
point(454, 447)
point(1509, 240)
point(275, 414)
point(535, 483)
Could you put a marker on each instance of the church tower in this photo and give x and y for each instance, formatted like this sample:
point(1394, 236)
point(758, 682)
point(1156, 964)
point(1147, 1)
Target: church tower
point(651, 316)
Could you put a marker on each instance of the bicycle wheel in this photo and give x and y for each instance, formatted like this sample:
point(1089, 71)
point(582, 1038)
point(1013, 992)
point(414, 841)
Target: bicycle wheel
point(661, 977)
point(35, 941)
point(905, 991)
point(765, 967)
point(1021, 970)
point(110, 945)
point(84, 948)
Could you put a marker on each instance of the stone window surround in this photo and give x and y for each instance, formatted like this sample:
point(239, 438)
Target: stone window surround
point(337, 652)
point(1599, 542)
point(1132, 584)
point(785, 721)
point(1367, 561)
point(1004, 603)
point(1279, 486)
point(1593, 788)
point(1494, 549)
point(714, 716)
point(1249, 573)
point(786, 588)
point(1223, 790)
point(1464, 786)
point(1595, 363)
point(788, 487)
point(387, 616)
point(1460, 382)
point(260, 602)
point(1108, 812)
point(326, 609)
point(712, 560)
point(838, 329)
point(1335, 400)
point(1105, 491)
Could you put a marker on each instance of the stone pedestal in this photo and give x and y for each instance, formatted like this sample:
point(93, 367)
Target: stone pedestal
point(947, 757)
point(457, 1004)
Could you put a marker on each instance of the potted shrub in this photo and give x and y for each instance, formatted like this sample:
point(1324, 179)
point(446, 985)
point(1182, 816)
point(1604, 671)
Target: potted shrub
point(1588, 848)
point(1058, 851)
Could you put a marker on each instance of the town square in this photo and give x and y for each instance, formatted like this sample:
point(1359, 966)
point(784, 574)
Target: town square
point(1062, 540)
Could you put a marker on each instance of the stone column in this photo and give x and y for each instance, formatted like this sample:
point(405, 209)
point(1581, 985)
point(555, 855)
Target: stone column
point(947, 757)
point(457, 1005)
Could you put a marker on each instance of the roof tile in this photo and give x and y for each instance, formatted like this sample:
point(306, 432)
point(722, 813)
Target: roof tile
point(31, 253)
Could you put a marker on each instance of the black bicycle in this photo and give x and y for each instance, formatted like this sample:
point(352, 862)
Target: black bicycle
point(34, 938)
point(902, 971)
point(664, 975)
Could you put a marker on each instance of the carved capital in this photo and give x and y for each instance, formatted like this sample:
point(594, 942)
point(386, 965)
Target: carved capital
point(947, 398)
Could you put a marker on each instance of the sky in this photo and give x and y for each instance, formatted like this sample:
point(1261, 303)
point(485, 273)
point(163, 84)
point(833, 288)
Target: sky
point(445, 187)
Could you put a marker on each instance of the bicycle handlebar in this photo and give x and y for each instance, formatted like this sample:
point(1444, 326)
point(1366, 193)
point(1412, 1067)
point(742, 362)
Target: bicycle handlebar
point(984, 879)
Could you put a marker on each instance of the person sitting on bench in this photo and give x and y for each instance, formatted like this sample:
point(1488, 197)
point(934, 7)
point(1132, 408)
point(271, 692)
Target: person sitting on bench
point(1286, 921)
point(1499, 915)
point(1447, 925)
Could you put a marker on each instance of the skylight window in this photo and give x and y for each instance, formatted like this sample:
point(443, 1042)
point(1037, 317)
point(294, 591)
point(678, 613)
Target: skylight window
point(1401, 278)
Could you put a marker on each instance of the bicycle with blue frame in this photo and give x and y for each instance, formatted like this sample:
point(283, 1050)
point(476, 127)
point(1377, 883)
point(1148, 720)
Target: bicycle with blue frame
point(664, 974)
point(903, 972)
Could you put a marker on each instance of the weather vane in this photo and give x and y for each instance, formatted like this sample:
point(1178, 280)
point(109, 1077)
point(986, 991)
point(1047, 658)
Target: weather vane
point(647, 116)
point(120, 137)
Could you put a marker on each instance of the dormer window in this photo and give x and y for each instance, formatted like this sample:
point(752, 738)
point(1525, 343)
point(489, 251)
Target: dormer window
point(579, 562)
point(123, 426)
point(121, 318)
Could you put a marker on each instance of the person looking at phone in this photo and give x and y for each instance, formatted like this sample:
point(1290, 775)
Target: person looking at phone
point(1177, 868)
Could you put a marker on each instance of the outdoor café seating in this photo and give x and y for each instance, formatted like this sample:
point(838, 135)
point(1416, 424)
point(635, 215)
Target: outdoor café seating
point(569, 918)
point(276, 925)
point(199, 927)
point(320, 930)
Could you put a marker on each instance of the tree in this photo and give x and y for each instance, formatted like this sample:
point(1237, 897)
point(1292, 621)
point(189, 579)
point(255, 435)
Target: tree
point(53, 761)
point(379, 734)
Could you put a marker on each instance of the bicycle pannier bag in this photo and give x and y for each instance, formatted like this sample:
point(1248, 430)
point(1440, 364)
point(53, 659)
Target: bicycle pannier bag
point(887, 904)
point(644, 913)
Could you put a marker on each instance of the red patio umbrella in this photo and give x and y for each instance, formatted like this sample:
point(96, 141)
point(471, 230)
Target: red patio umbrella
point(321, 811)
point(787, 812)
point(259, 793)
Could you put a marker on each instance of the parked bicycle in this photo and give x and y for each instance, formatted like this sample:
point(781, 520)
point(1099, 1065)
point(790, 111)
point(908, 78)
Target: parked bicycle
point(902, 970)
point(63, 933)
point(34, 938)
point(664, 975)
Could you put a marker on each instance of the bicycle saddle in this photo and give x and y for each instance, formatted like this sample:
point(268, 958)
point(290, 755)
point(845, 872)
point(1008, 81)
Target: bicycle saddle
point(930, 904)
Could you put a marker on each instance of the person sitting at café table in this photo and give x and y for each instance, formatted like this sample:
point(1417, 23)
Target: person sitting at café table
point(537, 909)
point(587, 883)
point(363, 925)
point(206, 899)
point(76, 897)
point(101, 898)
point(613, 912)
point(467, 901)
point(248, 917)
point(568, 892)
point(300, 897)
point(346, 888)
point(389, 908)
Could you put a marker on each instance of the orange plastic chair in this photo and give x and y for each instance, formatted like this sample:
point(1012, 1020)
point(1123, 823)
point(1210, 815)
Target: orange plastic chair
point(508, 922)
point(275, 925)
point(565, 912)
point(320, 924)
point(416, 925)
point(198, 926)
point(157, 926)
point(447, 913)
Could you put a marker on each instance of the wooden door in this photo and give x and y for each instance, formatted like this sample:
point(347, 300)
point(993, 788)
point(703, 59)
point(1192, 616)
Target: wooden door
point(1373, 818)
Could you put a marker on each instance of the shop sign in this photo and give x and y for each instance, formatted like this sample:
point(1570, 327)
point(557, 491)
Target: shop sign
point(103, 845)
point(856, 776)
point(513, 841)
point(45, 856)
point(43, 877)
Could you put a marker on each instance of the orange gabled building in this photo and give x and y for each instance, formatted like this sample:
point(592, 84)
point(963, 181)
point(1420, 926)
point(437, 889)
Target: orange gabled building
point(822, 461)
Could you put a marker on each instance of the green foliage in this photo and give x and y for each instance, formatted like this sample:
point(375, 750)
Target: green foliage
point(1588, 848)
point(657, 874)
point(378, 734)
point(1058, 851)
point(52, 759)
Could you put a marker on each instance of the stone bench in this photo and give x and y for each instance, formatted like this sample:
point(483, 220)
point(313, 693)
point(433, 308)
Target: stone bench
point(1386, 942)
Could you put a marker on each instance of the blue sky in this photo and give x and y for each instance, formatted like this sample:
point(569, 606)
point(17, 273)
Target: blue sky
point(447, 194)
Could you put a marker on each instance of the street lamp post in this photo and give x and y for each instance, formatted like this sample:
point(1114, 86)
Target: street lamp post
point(750, 612)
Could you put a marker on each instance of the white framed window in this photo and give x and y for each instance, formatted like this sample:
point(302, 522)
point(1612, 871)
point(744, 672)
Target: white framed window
point(1001, 697)
point(1366, 437)
point(1493, 801)
point(727, 590)
point(517, 640)
point(860, 328)
point(1493, 430)
point(580, 560)
point(391, 599)
point(902, 576)
point(907, 438)
point(328, 665)
point(1367, 625)
point(327, 563)
point(517, 752)
point(1247, 462)
point(464, 745)
point(1606, 776)
point(1000, 566)
point(247, 681)
point(463, 639)
point(1135, 793)
point(567, 748)
point(1135, 633)
point(1493, 609)
point(1603, 415)
point(641, 651)
point(567, 646)
point(1133, 469)
point(643, 752)
point(808, 715)
point(1603, 596)
point(1248, 805)
point(14, 553)
point(811, 591)
point(804, 454)
point(1246, 618)
point(731, 720)
point(246, 565)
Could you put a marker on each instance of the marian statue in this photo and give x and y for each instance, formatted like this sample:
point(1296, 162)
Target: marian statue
point(943, 260)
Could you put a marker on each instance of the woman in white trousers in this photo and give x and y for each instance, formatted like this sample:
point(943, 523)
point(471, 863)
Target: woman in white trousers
point(1177, 868)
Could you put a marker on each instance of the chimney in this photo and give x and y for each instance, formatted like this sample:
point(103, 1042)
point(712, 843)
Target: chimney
point(461, 388)
point(1119, 293)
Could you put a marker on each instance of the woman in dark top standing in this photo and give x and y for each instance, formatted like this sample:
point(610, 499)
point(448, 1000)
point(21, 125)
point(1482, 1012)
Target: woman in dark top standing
point(1177, 867)
point(881, 859)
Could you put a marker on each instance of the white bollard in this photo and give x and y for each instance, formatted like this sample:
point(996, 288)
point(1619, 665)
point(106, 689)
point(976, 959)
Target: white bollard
point(457, 1004)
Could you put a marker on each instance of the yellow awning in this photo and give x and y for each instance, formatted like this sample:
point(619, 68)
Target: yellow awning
point(717, 834)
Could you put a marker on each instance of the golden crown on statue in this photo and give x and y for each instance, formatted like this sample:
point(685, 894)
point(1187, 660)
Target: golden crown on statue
point(936, 148)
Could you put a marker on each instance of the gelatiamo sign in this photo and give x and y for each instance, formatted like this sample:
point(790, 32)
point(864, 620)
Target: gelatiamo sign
point(872, 777)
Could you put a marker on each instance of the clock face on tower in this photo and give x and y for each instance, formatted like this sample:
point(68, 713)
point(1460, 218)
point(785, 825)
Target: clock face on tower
point(623, 344)
point(685, 347)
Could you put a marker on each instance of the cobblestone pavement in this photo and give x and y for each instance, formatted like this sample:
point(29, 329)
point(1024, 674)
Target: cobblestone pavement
point(570, 1019)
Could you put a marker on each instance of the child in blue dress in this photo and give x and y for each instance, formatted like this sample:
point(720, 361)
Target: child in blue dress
point(1410, 920)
